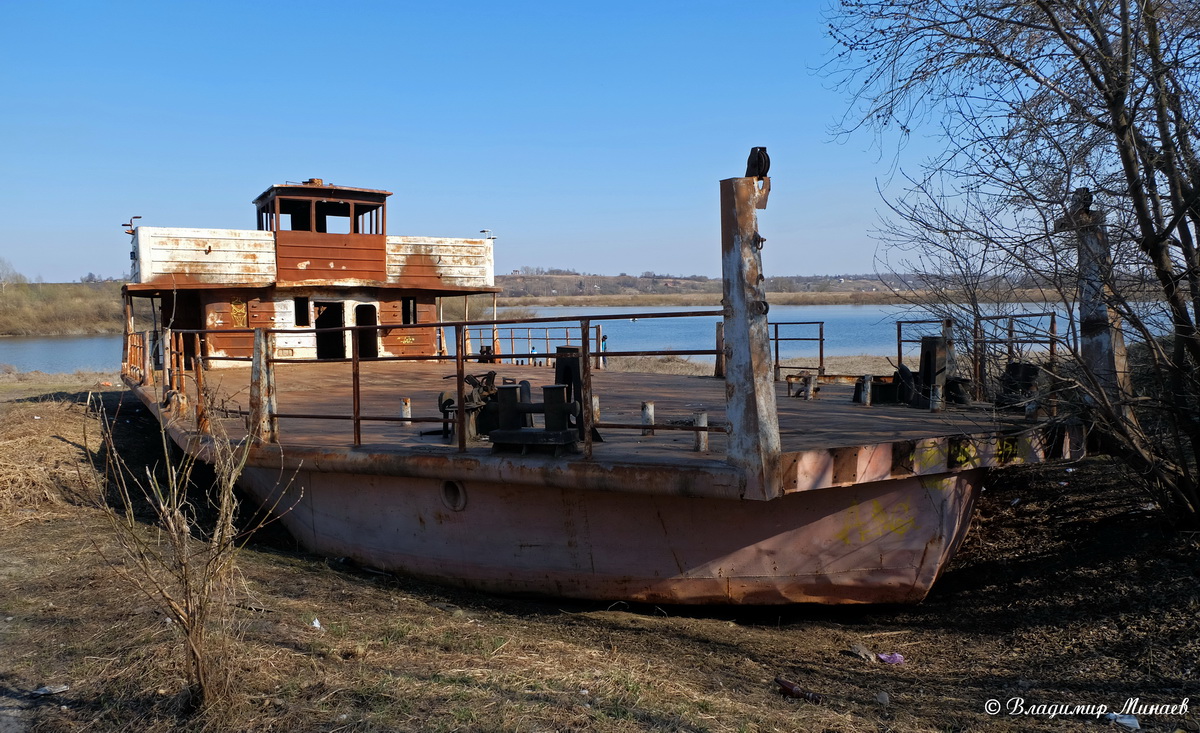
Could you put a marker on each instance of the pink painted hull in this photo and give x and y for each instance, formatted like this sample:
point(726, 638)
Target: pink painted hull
point(881, 542)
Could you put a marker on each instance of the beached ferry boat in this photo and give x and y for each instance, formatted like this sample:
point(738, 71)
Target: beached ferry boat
point(450, 450)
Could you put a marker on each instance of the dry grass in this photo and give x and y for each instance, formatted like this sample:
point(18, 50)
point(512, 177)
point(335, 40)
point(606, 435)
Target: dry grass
point(43, 459)
point(658, 365)
point(1065, 592)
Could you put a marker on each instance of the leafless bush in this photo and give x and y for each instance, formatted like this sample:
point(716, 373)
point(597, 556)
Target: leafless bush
point(183, 564)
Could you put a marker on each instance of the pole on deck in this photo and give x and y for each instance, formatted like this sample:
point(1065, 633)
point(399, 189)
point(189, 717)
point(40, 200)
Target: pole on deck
point(753, 445)
point(264, 426)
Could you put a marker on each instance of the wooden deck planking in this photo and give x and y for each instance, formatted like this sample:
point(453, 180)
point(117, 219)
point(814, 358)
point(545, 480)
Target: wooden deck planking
point(828, 422)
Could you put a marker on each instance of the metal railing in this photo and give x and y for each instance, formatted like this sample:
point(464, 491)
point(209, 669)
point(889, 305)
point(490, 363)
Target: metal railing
point(529, 338)
point(947, 331)
point(1015, 332)
point(187, 354)
point(776, 339)
point(1019, 330)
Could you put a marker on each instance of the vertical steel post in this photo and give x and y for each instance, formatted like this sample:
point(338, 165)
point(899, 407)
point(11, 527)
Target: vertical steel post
point(749, 387)
point(719, 366)
point(355, 389)
point(821, 349)
point(147, 359)
point(495, 328)
point(201, 399)
point(585, 378)
point(700, 420)
point(460, 417)
point(775, 372)
point(126, 358)
point(899, 343)
point(977, 355)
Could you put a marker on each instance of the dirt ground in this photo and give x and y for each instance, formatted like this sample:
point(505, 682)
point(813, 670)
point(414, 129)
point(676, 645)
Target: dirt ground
point(1068, 592)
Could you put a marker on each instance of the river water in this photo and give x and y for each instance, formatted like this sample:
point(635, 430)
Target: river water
point(849, 330)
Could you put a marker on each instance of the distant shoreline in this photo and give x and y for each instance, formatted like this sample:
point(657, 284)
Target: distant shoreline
point(93, 310)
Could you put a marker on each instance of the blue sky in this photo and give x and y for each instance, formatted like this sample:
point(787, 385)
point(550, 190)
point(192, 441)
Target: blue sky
point(585, 135)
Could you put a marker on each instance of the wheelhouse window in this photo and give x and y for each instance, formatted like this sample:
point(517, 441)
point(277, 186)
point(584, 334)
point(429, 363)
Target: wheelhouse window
point(302, 317)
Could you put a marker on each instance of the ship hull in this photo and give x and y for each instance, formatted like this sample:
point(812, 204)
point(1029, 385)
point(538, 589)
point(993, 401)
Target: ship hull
point(880, 542)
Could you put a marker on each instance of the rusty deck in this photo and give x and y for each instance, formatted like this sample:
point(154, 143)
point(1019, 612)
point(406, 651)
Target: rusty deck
point(832, 420)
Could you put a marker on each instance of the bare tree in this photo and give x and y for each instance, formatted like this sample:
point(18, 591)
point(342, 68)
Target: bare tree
point(9, 275)
point(1034, 100)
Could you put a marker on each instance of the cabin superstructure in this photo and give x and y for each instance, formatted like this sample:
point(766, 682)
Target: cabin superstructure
point(319, 259)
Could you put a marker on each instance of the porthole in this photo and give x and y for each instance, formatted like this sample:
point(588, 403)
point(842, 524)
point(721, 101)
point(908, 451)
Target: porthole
point(454, 495)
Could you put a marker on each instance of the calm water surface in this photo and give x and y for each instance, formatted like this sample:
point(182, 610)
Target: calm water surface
point(849, 330)
point(62, 353)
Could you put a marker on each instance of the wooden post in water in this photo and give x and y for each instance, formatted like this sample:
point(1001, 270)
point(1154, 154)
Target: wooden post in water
point(749, 388)
point(264, 426)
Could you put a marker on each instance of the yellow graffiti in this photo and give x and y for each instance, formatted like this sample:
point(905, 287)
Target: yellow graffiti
point(928, 457)
point(963, 454)
point(868, 522)
point(237, 312)
point(1006, 450)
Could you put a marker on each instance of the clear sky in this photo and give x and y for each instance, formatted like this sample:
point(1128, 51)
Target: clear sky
point(586, 135)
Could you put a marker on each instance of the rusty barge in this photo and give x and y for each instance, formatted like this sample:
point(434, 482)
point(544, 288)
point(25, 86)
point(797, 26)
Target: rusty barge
point(417, 444)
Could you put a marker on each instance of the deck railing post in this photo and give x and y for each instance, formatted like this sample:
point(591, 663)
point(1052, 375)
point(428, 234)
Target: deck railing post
point(201, 400)
point(977, 355)
point(168, 361)
point(719, 366)
point(126, 353)
point(495, 327)
point(355, 389)
point(1052, 401)
point(821, 348)
point(899, 343)
point(1012, 335)
point(585, 377)
point(753, 446)
point(202, 423)
point(147, 360)
point(264, 425)
point(775, 371)
point(460, 407)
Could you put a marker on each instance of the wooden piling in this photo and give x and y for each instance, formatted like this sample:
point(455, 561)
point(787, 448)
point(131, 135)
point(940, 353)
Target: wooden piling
point(264, 426)
point(753, 446)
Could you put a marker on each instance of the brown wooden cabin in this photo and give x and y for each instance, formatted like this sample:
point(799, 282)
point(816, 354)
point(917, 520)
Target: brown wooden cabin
point(320, 258)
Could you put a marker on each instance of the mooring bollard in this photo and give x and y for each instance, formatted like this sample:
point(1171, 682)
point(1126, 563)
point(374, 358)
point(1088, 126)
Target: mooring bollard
point(406, 411)
point(937, 400)
point(648, 417)
point(866, 390)
point(700, 420)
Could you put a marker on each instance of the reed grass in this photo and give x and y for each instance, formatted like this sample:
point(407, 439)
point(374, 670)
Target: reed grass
point(40, 309)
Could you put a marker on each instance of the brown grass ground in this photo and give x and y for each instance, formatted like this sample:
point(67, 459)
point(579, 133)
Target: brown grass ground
point(1066, 592)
